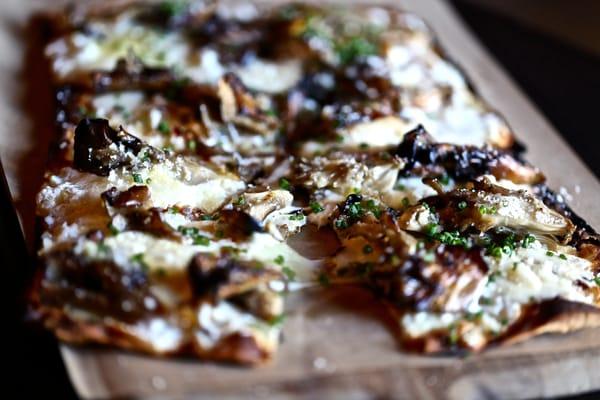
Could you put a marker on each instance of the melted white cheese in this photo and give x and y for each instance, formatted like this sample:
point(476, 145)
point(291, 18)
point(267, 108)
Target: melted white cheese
point(533, 273)
point(223, 319)
point(525, 276)
point(109, 41)
point(164, 255)
point(162, 335)
point(182, 182)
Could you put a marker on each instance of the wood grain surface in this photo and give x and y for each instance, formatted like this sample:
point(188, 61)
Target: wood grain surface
point(332, 347)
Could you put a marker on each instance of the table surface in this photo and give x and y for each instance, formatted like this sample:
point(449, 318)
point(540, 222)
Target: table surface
point(558, 78)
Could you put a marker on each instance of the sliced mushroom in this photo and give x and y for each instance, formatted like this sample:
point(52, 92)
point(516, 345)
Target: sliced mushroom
point(240, 107)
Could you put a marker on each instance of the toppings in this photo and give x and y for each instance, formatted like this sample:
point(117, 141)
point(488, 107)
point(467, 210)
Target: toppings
point(241, 108)
point(447, 282)
point(273, 145)
point(220, 277)
point(98, 148)
point(462, 162)
point(134, 197)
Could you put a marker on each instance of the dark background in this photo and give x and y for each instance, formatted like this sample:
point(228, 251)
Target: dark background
point(560, 76)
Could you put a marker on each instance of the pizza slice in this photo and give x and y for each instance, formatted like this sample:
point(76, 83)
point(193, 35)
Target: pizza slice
point(202, 146)
point(153, 251)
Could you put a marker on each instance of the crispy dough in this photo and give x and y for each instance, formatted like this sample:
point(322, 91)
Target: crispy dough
point(551, 316)
point(234, 348)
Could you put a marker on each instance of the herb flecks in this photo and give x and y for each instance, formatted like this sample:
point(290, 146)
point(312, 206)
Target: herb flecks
point(316, 207)
point(285, 184)
point(195, 235)
point(164, 128)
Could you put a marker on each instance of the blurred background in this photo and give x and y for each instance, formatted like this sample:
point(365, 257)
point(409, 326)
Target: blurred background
point(551, 48)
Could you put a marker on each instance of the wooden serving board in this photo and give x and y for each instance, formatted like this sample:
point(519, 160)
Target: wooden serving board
point(331, 348)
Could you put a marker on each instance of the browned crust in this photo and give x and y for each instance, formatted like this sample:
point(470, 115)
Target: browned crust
point(551, 316)
point(235, 348)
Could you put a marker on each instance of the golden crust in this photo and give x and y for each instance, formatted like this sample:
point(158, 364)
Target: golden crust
point(551, 316)
point(236, 348)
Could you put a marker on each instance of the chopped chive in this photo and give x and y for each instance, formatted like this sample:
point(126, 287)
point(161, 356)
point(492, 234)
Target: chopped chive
point(474, 316)
point(431, 229)
point(289, 273)
point(174, 210)
point(483, 209)
point(164, 128)
point(527, 241)
point(341, 223)
point(296, 217)
point(277, 321)
point(486, 301)
point(113, 229)
point(285, 184)
point(316, 207)
point(374, 208)
point(137, 178)
point(139, 259)
point(201, 240)
point(240, 201)
point(492, 277)
point(102, 248)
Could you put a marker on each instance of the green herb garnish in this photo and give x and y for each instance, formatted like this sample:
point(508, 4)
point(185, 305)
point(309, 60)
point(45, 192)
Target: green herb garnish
point(194, 234)
point(137, 178)
point(163, 127)
point(277, 321)
point(139, 260)
point(285, 184)
point(316, 207)
point(289, 273)
point(113, 229)
point(296, 217)
point(527, 241)
point(240, 201)
point(354, 48)
point(483, 209)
